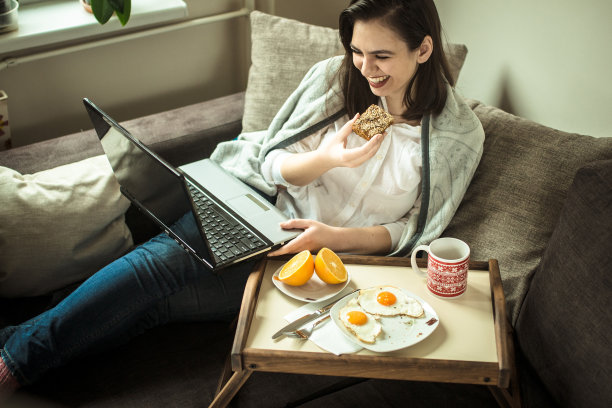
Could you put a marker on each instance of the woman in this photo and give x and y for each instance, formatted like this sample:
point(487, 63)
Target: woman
point(385, 195)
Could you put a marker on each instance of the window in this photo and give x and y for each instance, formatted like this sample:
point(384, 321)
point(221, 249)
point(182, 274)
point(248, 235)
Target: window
point(48, 22)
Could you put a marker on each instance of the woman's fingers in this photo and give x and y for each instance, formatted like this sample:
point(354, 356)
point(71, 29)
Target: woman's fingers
point(358, 155)
point(293, 245)
point(335, 152)
point(296, 223)
point(347, 129)
point(309, 239)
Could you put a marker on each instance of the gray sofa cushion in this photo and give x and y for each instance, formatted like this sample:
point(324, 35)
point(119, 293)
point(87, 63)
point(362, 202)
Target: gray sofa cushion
point(59, 226)
point(564, 324)
point(514, 201)
point(282, 50)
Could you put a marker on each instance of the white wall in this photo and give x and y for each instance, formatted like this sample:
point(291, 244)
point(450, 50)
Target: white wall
point(320, 12)
point(546, 60)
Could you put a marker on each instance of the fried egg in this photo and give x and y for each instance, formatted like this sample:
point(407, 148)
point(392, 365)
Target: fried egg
point(363, 325)
point(389, 301)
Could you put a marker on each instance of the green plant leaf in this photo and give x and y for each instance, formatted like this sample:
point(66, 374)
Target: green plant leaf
point(102, 10)
point(124, 15)
point(116, 4)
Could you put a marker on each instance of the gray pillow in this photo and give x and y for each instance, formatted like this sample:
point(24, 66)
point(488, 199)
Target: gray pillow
point(282, 51)
point(515, 198)
point(59, 226)
point(564, 324)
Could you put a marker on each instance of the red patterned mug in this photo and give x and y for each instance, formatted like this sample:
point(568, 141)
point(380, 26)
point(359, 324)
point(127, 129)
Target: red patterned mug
point(447, 266)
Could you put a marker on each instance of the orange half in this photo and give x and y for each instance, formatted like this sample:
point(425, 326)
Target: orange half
point(329, 267)
point(298, 270)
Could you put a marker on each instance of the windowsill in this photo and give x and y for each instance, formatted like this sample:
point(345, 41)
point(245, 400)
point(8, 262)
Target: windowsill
point(53, 22)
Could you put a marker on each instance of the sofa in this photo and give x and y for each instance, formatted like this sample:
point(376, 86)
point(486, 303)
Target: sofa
point(540, 203)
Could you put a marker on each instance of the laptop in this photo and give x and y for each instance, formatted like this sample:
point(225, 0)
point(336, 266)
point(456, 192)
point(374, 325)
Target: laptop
point(234, 221)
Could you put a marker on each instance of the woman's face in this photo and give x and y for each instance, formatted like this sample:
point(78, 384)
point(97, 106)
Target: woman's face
point(384, 59)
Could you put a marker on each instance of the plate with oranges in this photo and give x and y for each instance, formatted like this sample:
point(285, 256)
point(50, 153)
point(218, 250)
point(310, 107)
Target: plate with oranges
point(312, 278)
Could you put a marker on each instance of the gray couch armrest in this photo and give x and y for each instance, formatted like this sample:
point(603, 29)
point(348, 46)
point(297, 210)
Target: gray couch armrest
point(180, 135)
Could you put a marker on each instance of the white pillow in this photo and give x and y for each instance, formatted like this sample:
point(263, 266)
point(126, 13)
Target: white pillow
point(282, 51)
point(59, 226)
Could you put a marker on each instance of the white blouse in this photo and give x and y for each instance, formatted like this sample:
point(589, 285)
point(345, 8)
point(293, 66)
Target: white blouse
point(382, 191)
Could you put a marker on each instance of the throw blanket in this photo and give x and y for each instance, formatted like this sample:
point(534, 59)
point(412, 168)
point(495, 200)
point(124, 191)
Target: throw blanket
point(451, 144)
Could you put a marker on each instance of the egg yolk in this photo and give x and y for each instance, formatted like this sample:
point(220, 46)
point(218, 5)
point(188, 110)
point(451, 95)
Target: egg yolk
point(386, 298)
point(357, 318)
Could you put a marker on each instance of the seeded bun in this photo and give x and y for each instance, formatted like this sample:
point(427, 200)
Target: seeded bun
point(372, 122)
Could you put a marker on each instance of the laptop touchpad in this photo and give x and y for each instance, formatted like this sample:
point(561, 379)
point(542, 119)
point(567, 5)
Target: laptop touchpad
point(248, 205)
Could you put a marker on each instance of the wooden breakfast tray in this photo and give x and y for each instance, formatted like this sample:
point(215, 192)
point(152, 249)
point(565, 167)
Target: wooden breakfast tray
point(472, 344)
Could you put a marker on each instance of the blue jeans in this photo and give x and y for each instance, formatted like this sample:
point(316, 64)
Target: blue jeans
point(154, 284)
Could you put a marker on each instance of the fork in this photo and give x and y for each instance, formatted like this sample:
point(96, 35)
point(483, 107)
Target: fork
point(305, 332)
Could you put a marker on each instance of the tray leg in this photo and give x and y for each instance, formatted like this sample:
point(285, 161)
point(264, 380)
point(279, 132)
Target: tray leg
point(225, 374)
point(508, 397)
point(229, 390)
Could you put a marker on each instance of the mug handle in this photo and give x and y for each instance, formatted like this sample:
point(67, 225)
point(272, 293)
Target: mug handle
point(413, 262)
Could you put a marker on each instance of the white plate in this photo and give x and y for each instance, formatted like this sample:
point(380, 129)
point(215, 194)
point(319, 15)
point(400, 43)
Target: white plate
point(397, 332)
point(315, 290)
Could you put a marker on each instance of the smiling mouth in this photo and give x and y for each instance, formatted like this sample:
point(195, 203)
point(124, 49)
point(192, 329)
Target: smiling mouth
point(377, 82)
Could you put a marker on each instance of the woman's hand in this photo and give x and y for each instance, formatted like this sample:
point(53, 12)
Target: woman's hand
point(316, 235)
point(335, 153)
point(302, 168)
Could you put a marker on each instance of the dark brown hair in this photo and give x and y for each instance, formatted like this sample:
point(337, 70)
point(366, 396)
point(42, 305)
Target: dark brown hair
point(412, 20)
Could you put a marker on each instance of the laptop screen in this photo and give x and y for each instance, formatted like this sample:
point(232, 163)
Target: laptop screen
point(156, 187)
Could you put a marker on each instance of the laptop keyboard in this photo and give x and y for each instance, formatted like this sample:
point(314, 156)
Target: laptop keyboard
point(227, 237)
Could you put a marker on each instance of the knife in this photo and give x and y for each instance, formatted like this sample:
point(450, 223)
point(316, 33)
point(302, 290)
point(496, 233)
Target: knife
point(296, 324)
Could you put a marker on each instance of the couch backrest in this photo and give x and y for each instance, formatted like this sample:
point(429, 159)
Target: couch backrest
point(509, 213)
point(564, 323)
point(515, 199)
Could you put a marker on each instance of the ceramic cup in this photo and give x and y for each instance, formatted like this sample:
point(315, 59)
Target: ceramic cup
point(447, 266)
point(8, 15)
